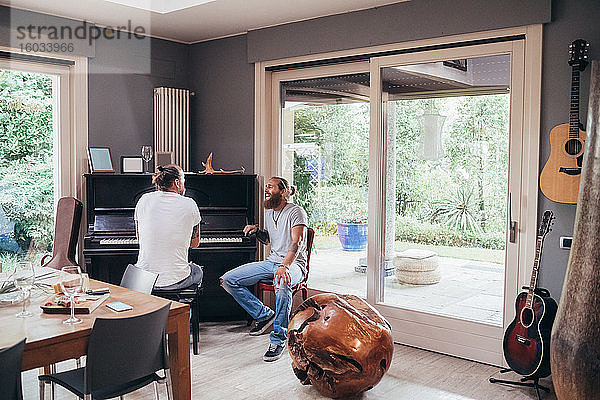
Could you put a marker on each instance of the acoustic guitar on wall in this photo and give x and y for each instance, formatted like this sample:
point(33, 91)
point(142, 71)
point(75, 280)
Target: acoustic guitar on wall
point(526, 341)
point(559, 180)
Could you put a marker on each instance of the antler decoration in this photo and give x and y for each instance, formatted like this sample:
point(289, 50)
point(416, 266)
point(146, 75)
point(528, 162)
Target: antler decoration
point(209, 170)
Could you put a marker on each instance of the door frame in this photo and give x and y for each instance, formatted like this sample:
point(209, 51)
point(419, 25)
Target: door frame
point(438, 333)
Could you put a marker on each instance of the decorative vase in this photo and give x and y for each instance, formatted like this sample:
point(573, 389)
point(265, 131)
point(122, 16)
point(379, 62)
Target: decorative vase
point(575, 340)
point(353, 237)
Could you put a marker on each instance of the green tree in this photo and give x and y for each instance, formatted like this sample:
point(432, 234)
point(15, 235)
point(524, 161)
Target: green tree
point(26, 151)
point(477, 148)
point(341, 134)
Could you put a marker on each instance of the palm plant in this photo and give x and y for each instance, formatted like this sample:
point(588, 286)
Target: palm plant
point(458, 212)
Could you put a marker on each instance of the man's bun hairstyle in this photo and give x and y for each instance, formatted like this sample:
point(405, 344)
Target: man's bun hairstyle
point(284, 184)
point(165, 175)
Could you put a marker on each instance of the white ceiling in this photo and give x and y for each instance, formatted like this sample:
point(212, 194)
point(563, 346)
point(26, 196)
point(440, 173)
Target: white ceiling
point(198, 22)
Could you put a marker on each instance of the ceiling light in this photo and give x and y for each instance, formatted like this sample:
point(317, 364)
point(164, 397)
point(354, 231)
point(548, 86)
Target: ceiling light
point(160, 6)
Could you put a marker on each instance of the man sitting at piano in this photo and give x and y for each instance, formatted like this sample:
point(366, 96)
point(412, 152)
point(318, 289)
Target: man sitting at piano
point(285, 231)
point(167, 224)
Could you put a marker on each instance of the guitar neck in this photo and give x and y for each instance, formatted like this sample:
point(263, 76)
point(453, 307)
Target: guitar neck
point(574, 109)
point(534, 273)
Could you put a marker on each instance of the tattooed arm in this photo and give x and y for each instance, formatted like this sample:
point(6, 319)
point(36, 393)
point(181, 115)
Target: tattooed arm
point(195, 237)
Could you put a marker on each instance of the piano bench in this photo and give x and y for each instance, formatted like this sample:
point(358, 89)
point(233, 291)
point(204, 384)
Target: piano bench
point(189, 295)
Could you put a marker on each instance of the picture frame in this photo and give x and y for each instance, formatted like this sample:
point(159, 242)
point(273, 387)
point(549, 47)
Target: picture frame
point(132, 165)
point(163, 158)
point(100, 159)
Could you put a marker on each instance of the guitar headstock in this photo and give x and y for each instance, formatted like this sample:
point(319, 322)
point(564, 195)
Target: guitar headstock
point(547, 221)
point(578, 54)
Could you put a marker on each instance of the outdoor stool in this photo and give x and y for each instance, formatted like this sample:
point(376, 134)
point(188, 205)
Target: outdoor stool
point(417, 267)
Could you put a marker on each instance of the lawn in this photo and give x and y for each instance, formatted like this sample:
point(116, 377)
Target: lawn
point(466, 253)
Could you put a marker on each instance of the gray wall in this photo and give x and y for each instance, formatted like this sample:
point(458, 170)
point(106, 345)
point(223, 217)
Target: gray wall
point(223, 108)
point(121, 78)
point(400, 22)
point(571, 19)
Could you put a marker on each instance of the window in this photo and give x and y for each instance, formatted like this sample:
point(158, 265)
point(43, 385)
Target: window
point(44, 119)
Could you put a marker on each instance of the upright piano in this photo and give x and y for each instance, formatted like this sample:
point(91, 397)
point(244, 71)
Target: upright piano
point(226, 202)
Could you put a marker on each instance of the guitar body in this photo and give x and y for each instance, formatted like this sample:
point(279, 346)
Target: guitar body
point(559, 180)
point(527, 350)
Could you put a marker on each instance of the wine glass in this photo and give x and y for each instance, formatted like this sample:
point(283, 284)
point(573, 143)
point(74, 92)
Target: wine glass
point(71, 282)
point(147, 156)
point(24, 278)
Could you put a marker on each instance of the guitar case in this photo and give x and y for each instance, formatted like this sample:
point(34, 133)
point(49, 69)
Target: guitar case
point(66, 233)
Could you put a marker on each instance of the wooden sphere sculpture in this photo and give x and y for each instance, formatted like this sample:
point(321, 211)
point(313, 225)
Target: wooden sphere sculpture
point(339, 344)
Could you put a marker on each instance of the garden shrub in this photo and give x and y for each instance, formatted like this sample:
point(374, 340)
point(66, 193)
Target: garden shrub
point(329, 203)
point(410, 230)
point(324, 227)
point(26, 197)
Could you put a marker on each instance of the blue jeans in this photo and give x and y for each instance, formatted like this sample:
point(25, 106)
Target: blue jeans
point(235, 282)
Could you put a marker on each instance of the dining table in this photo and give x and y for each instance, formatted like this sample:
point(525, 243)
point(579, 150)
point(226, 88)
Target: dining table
point(49, 341)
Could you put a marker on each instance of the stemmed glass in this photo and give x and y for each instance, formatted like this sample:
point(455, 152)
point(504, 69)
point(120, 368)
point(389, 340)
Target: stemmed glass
point(147, 156)
point(24, 278)
point(71, 282)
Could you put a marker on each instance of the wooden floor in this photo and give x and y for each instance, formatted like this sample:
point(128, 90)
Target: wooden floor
point(230, 366)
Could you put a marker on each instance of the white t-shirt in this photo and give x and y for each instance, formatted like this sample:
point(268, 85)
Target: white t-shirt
point(165, 221)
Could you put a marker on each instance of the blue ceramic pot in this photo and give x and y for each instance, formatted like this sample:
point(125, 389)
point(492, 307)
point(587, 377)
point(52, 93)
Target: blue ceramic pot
point(353, 237)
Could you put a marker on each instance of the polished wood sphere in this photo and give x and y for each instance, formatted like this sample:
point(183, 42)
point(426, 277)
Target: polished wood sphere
point(339, 344)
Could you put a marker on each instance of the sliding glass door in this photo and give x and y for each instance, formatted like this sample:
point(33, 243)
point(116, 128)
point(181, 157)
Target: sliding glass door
point(447, 163)
point(409, 167)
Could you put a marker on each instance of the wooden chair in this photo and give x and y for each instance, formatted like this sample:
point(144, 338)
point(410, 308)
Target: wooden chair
point(66, 233)
point(267, 286)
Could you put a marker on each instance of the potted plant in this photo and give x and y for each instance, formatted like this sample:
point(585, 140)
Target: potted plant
point(352, 232)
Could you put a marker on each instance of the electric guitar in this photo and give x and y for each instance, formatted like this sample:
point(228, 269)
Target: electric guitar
point(559, 180)
point(527, 339)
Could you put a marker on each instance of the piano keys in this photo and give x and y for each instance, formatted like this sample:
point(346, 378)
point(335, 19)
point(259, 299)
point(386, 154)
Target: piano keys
point(226, 204)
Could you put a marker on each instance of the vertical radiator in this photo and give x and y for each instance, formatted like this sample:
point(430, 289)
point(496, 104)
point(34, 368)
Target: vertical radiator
point(172, 124)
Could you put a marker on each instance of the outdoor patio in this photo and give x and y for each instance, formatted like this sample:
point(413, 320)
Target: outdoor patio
point(470, 290)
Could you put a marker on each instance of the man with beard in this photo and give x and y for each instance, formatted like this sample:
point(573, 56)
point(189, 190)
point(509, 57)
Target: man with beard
point(167, 224)
point(285, 231)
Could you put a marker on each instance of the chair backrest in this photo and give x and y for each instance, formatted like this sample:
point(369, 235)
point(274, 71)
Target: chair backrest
point(66, 232)
point(310, 237)
point(121, 350)
point(10, 371)
point(138, 279)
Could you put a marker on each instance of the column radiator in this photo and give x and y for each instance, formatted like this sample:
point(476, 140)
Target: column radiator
point(172, 124)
